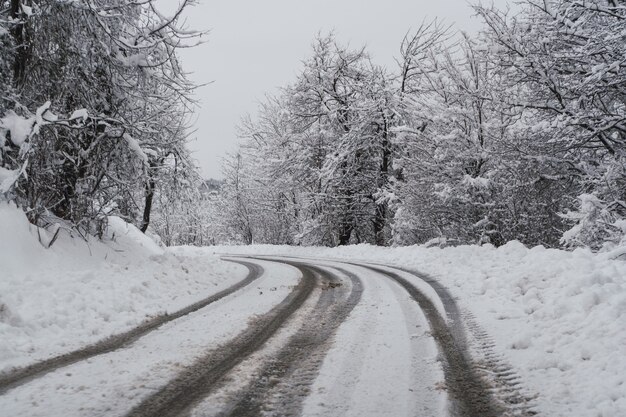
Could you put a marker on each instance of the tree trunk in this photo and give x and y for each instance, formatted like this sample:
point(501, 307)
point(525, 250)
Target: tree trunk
point(382, 212)
point(150, 186)
point(19, 62)
point(345, 232)
point(380, 220)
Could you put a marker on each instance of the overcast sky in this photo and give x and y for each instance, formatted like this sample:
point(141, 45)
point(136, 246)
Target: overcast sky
point(256, 46)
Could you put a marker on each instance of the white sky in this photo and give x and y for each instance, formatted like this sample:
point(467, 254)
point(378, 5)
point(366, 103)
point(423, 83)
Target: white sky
point(256, 46)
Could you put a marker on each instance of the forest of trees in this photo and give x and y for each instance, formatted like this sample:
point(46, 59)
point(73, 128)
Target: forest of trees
point(516, 132)
point(94, 112)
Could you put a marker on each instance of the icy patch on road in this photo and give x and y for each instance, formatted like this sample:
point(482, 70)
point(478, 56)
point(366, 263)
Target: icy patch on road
point(60, 299)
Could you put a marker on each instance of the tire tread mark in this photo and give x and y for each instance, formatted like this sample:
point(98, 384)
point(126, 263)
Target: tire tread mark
point(470, 396)
point(520, 402)
point(198, 379)
point(20, 376)
point(297, 364)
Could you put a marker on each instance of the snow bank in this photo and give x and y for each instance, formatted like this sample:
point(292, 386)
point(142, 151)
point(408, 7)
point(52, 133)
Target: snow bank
point(558, 317)
point(75, 293)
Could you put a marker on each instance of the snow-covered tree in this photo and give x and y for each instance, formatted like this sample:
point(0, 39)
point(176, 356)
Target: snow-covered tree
point(98, 107)
point(516, 133)
point(569, 57)
point(326, 144)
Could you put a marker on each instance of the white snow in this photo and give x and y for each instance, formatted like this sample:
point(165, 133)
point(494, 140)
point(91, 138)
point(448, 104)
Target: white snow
point(79, 114)
point(558, 317)
point(75, 293)
point(478, 182)
point(136, 148)
point(135, 60)
point(110, 384)
point(27, 10)
point(23, 127)
point(7, 178)
point(19, 126)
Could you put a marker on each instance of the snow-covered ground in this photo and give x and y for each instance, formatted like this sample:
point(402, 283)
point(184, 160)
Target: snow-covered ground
point(559, 318)
point(56, 300)
point(112, 383)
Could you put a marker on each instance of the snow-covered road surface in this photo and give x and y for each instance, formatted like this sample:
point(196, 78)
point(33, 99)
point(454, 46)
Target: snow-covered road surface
point(307, 337)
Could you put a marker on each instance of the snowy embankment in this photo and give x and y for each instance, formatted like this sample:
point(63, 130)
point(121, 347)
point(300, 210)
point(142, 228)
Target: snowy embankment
point(76, 293)
point(559, 318)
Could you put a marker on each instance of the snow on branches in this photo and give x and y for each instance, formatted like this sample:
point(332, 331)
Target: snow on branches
point(115, 113)
point(481, 139)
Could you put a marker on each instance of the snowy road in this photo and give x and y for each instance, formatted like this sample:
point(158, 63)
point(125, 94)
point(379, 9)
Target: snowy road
point(298, 336)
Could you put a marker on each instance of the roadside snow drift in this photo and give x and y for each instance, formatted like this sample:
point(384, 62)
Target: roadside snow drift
point(56, 300)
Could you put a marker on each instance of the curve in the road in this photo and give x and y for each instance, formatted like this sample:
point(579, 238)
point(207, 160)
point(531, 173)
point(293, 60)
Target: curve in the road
point(469, 394)
point(453, 312)
point(21, 376)
point(194, 383)
point(298, 362)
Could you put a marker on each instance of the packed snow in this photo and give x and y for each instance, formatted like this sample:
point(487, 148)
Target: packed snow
point(556, 316)
point(112, 383)
point(383, 361)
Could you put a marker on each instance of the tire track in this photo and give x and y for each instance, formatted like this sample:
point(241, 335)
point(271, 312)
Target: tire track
point(491, 374)
point(500, 379)
point(23, 375)
point(506, 384)
point(197, 381)
point(469, 394)
point(284, 382)
point(476, 388)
